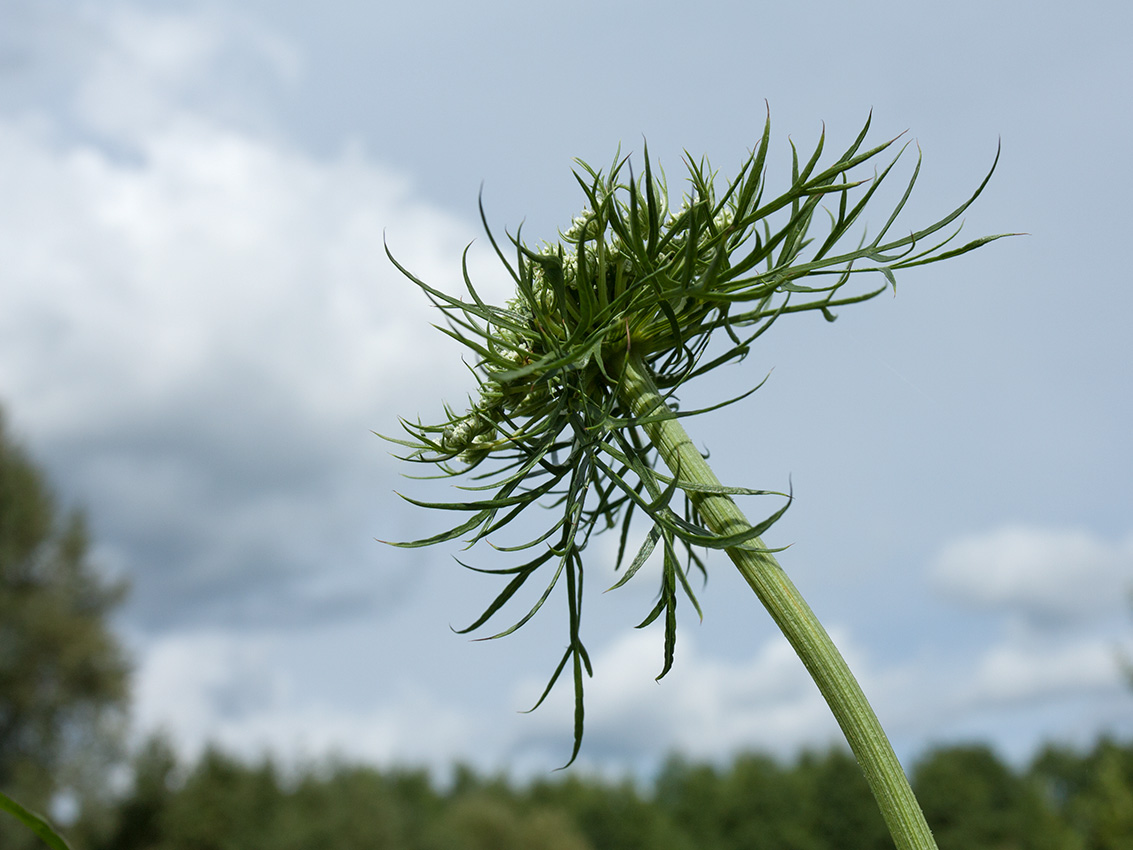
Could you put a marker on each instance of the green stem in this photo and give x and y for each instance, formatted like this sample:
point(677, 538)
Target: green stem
point(791, 613)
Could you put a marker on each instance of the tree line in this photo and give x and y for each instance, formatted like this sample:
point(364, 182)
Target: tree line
point(1062, 800)
point(63, 696)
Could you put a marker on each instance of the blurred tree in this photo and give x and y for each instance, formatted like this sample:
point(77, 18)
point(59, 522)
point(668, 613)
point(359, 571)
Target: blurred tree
point(353, 808)
point(483, 821)
point(613, 816)
point(973, 801)
point(1066, 801)
point(1093, 793)
point(763, 805)
point(138, 818)
point(837, 805)
point(63, 675)
point(690, 795)
point(222, 804)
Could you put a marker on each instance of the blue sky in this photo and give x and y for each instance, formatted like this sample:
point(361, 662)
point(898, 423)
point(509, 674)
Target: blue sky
point(199, 330)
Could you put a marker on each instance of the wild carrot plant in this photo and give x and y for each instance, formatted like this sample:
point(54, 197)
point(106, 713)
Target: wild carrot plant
point(578, 375)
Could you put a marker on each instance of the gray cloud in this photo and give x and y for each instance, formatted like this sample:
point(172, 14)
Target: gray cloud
point(1068, 574)
point(201, 336)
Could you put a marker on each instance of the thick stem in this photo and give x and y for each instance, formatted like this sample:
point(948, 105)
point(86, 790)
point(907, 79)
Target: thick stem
point(791, 613)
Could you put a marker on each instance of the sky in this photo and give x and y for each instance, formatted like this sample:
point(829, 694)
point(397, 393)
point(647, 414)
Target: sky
point(200, 333)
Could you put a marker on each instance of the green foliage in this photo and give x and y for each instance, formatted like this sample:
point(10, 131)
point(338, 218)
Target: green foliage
point(223, 803)
point(842, 812)
point(222, 799)
point(35, 823)
point(352, 808)
point(1093, 795)
point(636, 280)
point(139, 820)
point(820, 801)
point(613, 815)
point(482, 822)
point(63, 675)
point(690, 795)
point(972, 801)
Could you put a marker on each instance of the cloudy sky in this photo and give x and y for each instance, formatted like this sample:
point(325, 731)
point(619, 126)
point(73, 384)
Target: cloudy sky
point(199, 332)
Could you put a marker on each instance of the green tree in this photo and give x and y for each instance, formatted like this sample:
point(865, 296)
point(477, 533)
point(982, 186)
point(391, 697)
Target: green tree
point(973, 801)
point(483, 821)
point(613, 816)
point(690, 795)
point(223, 804)
point(756, 802)
point(1093, 793)
point(63, 674)
point(762, 806)
point(841, 814)
point(138, 817)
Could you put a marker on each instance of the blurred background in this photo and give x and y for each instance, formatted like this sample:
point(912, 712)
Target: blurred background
point(200, 330)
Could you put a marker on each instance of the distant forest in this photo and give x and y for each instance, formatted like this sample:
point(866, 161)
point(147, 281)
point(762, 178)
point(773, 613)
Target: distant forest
point(973, 800)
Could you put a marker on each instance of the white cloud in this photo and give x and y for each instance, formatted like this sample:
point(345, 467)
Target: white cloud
point(185, 681)
point(1016, 672)
point(1065, 574)
point(220, 265)
point(236, 691)
point(208, 259)
point(198, 322)
point(711, 707)
point(1058, 608)
point(255, 693)
point(148, 68)
point(706, 707)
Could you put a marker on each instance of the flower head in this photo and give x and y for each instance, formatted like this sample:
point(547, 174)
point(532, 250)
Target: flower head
point(629, 278)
